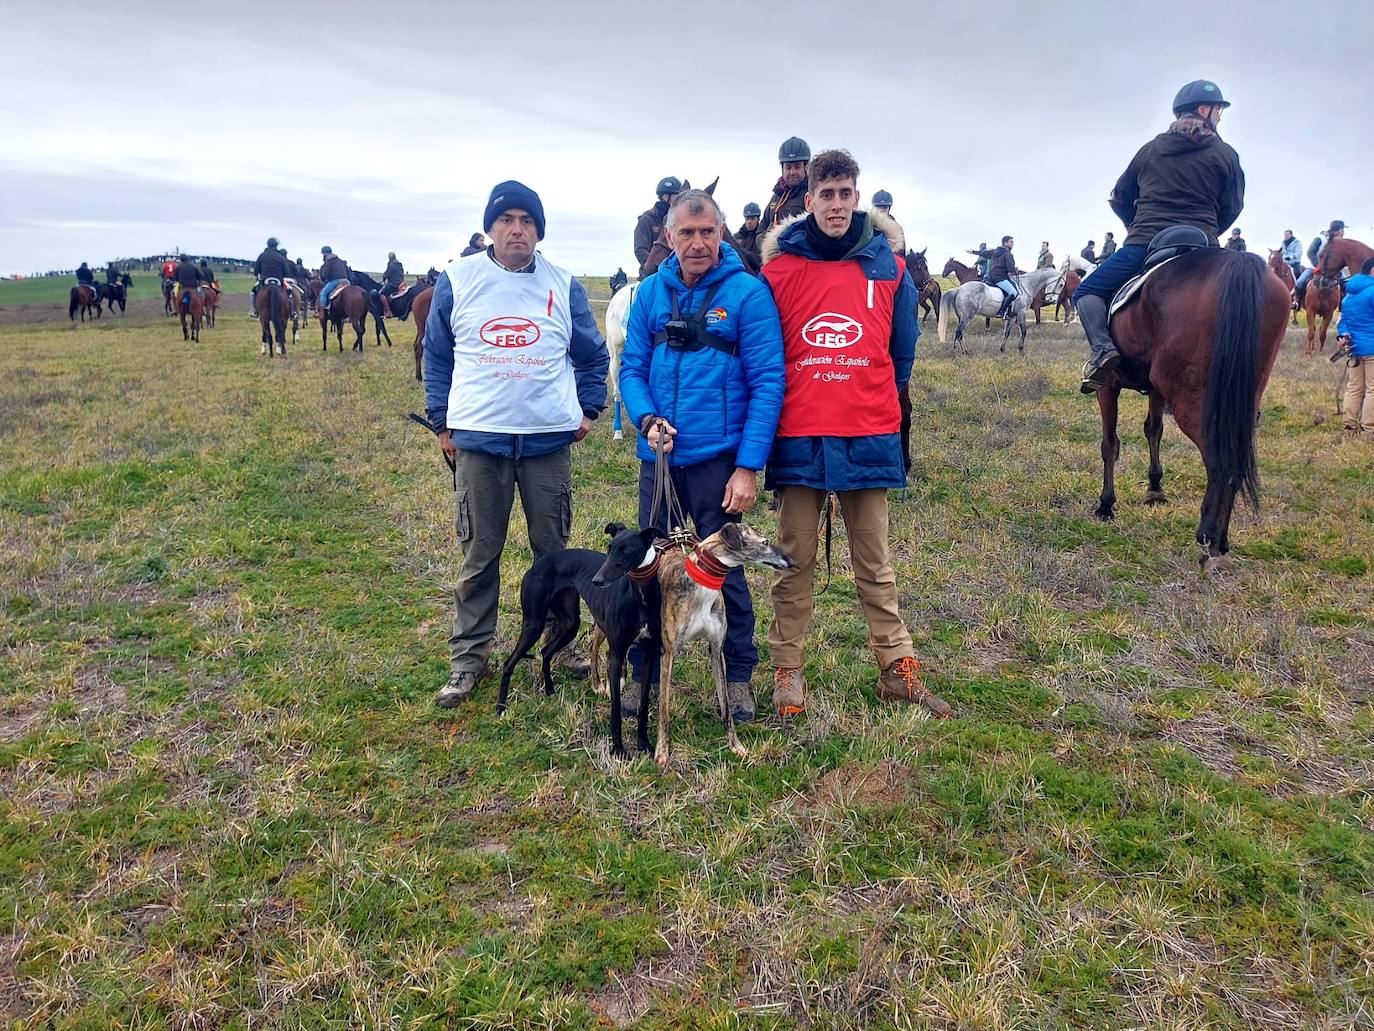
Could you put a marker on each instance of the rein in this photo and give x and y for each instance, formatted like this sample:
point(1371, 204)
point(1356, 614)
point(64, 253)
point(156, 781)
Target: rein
point(665, 499)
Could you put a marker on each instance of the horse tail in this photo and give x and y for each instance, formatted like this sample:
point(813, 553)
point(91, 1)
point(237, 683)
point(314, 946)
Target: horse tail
point(943, 313)
point(1228, 408)
point(76, 299)
point(272, 302)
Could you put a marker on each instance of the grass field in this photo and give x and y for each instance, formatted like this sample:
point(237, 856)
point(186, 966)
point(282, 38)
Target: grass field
point(226, 799)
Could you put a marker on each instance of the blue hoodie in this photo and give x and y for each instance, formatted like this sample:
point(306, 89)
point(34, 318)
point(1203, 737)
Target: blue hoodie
point(1357, 315)
point(717, 402)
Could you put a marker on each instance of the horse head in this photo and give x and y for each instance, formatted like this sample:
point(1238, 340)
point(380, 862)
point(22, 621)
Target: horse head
point(951, 267)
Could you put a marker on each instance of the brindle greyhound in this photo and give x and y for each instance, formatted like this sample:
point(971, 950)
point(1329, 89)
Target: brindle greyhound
point(693, 607)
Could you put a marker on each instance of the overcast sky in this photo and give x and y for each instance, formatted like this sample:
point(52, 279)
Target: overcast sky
point(321, 126)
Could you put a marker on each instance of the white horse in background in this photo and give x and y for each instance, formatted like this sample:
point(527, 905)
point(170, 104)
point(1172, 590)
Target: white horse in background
point(977, 298)
point(617, 318)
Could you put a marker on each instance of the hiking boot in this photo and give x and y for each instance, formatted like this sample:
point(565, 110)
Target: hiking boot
point(901, 682)
point(459, 686)
point(789, 691)
point(1092, 313)
point(629, 695)
point(740, 697)
point(574, 662)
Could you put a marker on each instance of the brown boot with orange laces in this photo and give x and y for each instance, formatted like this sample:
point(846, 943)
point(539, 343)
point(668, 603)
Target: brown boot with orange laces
point(901, 682)
point(789, 691)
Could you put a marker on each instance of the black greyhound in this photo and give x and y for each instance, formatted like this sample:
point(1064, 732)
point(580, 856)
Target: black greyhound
point(623, 606)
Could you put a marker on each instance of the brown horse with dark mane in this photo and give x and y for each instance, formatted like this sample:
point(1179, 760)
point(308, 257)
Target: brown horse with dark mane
point(84, 298)
point(1072, 277)
point(346, 303)
point(420, 308)
point(274, 308)
point(1200, 339)
point(1280, 268)
point(927, 286)
point(191, 305)
point(1319, 302)
point(960, 271)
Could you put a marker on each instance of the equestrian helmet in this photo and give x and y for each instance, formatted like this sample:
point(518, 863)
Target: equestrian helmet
point(1199, 91)
point(326, 250)
point(271, 241)
point(882, 199)
point(751, 210)
point(670, 184)
point(794, 148)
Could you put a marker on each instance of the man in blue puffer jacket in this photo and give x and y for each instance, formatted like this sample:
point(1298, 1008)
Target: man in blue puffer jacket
point(1357, 324)
point(703, 355)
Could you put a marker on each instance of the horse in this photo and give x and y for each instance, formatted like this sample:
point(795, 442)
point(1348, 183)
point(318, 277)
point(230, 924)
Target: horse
point(927, 286)
point(1065, 298)
point(1200, 340)
point(1280, 268)
point(347, 302)
point(398, 305)
point(977, 298)
point(114, 293)
point(617, 316)
point(274, 307)
point(211, 297)
point(86, 297)
point(960, 271)
point(169, 296)
point(1320, 301)
point(420, 306)
point(1343, 252)
point(192, 304)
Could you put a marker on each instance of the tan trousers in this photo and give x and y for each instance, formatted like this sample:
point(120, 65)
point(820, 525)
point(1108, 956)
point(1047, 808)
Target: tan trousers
point(1359, 393)
point(865, 520)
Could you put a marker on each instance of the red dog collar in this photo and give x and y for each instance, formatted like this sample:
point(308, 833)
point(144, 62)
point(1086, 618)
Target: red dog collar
point(704, 568)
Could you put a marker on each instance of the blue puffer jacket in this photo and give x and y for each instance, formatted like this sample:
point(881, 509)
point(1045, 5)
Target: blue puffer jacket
point(851, 463)
point(716, 402)
point(1357, 315)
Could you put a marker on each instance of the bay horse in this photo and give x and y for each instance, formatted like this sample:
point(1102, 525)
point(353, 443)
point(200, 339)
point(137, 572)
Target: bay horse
point(399, 305)
point(1280, 268)
point(420, 306)
point(211, 300)
point(927, 286)
point(274, 308)
point(1072, 278)
point(1320, 301)
point(1200, 340)
point(86, 298)
point(347, 302)
point(114, 293)
point(193, 305)
point(956, 268)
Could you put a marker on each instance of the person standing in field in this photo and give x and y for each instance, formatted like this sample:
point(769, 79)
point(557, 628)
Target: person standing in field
point(515, 372)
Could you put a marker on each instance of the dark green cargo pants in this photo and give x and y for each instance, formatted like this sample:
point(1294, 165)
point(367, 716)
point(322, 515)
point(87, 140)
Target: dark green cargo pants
point(486, 491)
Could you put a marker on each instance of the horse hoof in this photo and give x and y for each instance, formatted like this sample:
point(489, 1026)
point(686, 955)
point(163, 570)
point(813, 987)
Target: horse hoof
point(1156, 497)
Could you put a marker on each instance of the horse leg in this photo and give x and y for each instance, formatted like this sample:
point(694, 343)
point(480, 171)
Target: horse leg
point(1108, 399)
point(1311, 331)
point(1021, 323)
point(1154, 433)
point(1321, 345)
point(1214, 521)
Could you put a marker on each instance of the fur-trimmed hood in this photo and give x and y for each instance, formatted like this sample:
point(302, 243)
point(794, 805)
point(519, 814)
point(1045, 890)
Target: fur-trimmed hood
point(881, 223)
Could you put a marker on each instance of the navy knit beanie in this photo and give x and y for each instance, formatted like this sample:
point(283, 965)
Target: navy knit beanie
point(512, 194)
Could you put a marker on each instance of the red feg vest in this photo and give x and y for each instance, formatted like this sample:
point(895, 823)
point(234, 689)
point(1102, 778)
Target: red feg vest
point(836, 328)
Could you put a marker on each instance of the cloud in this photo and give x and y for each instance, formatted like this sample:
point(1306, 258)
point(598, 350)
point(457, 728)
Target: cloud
point(375, 134)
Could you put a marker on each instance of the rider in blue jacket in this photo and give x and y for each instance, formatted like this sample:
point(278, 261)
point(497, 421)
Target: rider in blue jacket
point(703, 355)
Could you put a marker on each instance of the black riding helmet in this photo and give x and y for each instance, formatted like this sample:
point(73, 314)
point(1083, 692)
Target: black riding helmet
point(326, 250)
point(669, 184)
point(751, 210)
point(271, 241)
point(1199, 91)
point(882, 199)
point(794, 148)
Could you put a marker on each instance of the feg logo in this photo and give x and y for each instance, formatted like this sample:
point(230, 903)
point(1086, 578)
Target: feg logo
point(832, 330)
point(509, 331)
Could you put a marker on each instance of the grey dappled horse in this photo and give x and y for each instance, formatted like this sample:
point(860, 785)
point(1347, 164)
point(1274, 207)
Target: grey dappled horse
point(973, 299)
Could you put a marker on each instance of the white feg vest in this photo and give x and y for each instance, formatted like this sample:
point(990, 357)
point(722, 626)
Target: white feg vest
point(511, 369)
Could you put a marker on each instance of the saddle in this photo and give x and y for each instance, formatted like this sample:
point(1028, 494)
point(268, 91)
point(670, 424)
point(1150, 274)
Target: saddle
point(1167, 245)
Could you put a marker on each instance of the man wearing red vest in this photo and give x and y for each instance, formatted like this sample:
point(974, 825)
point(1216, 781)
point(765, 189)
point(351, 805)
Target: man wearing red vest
point(848, 311)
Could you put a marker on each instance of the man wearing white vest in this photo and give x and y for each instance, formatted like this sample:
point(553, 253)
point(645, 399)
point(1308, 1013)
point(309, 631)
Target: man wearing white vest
point(515, 369)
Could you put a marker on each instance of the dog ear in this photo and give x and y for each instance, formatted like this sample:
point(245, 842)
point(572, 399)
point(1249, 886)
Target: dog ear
point(648, 535)
point(732, 535)
point(613, 529)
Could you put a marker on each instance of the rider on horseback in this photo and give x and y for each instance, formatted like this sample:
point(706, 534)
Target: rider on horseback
point(187, 278)
point(649, 228)
point(270, 264)
point(392, 279)
point(1001, 266)
point(1185, 176)
point(334, 272)
point(789, 192)
point(85, 276)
